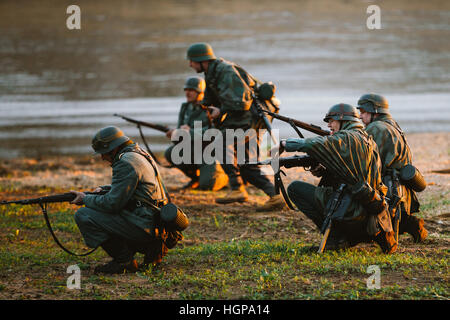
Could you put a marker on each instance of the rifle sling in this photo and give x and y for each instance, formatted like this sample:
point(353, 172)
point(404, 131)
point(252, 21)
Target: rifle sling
point(49, 226)
point(149, 150)
point(279, 186)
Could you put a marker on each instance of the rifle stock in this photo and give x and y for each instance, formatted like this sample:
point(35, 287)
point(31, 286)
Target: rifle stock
point(158, 127)
point(309, 127)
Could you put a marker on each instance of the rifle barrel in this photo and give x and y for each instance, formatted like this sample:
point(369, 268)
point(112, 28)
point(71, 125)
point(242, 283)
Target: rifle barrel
point(289, 162)
point(62, 197)
point(158, 127)
point(309, 127)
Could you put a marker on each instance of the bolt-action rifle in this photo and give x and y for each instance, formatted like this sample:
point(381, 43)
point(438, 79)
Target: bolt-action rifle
point(43, 203)
point(139, 125)
point(299, 124)
point(287, 162)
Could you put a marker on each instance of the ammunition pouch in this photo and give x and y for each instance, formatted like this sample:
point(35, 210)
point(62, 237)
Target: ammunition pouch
point(369, 198)
point(173, 218)
point(411, 177)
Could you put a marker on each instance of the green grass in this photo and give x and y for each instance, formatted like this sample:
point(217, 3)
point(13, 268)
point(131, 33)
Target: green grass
point(228, 268)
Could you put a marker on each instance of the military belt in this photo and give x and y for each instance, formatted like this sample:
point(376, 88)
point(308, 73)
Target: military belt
point(149, 203)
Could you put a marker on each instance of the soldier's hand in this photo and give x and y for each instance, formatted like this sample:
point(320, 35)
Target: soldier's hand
point(79, 198)
point(98, 190)
point(169, 133)
point(214, 111)
point(185, 127)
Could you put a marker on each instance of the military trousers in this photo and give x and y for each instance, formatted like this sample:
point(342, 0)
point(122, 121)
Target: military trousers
point(116, 235)
point(238, 171)
point(209, 176)
point(302, 194)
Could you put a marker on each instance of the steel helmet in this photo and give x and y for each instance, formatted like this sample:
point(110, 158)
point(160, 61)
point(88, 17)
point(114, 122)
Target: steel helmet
point(342, 111)
point(199, 52)
point(195, 83)
point(107, 139)
point(373, 103)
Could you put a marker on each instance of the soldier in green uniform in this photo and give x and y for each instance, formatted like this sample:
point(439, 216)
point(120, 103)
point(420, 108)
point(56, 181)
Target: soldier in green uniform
point(203, 176)
point(395, 154)
point(351, 162)
point(228, 94)
point(123, 221)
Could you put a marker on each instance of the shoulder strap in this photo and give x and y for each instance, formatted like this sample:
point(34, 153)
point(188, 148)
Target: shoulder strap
point(394, 123)
point(163, 189)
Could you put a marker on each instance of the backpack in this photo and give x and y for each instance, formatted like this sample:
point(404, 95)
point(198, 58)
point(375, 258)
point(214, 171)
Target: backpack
point(263, 98)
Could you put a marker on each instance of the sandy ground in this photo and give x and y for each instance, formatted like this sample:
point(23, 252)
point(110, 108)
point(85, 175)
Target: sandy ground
point(431, 154)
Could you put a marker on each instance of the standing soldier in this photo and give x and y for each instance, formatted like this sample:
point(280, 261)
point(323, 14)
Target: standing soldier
point(353, 202)
point(395, 155)
point(203, 176)
point(229, 95)
point(123, 221)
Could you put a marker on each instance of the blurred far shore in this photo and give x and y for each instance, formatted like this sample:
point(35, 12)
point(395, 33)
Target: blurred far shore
point(59, 86)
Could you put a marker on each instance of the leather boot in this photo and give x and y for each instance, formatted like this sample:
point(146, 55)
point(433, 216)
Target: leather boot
point(415, 227)
point(123, 258)
point(386, 241)
point(154, 253)
point(114, 267)
point(275, 202)
point(238, 195)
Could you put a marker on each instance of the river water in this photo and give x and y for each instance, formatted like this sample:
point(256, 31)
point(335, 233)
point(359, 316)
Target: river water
point(59, 86)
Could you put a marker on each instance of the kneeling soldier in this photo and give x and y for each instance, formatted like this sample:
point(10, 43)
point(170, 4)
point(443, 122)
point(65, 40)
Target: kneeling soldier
point(124, 220)
point(395, 155)
point(352, 199)
point(203, 176)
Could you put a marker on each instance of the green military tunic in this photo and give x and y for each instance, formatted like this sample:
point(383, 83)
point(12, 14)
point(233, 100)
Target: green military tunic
point(133, 178)
point(394, 152)
point(351, 156)
point(191, 113)
point(211, 176)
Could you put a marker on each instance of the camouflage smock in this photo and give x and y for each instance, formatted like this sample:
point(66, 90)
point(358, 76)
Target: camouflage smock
point(229, 88)
point(394, 152)
point(351, 156)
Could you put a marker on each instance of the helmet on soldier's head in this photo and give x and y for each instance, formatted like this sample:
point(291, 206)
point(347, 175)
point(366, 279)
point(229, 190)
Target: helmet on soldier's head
point(373, 103)
point(195, 83)
point(342, 111)
point(106, 139)
point(199, 52)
